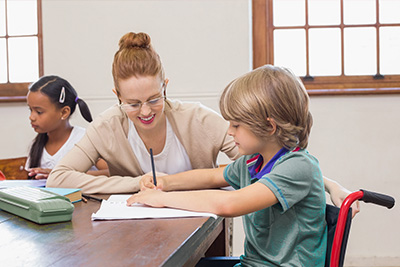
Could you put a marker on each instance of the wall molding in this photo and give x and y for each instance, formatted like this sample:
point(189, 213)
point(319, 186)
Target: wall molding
point(353, 261)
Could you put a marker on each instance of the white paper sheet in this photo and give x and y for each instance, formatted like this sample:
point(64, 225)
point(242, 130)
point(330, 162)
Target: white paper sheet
point(18, 183)
point(115, 208)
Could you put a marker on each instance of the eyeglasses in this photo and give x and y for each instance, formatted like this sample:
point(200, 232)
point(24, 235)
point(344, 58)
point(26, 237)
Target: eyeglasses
point(152, 103)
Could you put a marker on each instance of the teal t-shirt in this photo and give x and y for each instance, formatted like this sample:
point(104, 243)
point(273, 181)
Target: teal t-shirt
point(293, 231)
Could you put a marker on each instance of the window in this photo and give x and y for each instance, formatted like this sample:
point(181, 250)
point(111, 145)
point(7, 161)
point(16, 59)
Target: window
point(21, 56)
point(335, 46)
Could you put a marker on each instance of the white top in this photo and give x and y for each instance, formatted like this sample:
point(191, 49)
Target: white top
point(172, 159)
point(50, 161)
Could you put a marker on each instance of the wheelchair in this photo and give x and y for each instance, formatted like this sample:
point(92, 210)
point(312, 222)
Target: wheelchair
point(338, 222)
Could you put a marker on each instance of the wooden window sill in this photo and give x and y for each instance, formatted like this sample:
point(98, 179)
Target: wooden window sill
point(353, 91)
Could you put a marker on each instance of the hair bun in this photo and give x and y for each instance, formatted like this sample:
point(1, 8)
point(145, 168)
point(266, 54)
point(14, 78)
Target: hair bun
point(131, 40)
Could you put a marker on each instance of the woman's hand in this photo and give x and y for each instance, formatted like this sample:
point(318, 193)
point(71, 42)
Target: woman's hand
point(147, 181)
point(39, 173)
point(150, 197)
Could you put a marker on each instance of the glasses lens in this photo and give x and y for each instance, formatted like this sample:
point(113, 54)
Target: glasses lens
point(130, 107)
point(135, 107)
point(155, 102)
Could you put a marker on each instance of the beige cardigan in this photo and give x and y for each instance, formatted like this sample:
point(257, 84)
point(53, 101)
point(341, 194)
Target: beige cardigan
point(202, 132)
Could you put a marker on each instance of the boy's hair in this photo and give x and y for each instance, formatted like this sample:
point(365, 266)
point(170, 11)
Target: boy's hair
point(136, 57)
point(270, 92)
point(52, 86)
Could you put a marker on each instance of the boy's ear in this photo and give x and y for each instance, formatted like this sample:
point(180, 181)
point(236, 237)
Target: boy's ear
point(65, 112)
point(271, 125)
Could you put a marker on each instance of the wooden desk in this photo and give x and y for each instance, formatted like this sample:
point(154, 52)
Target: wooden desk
point(82, 242)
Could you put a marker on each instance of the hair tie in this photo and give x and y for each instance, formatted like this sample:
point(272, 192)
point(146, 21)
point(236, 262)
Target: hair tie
point(76, 99)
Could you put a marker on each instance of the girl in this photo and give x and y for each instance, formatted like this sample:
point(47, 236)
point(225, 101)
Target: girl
point(279, 185)
point(52, 100)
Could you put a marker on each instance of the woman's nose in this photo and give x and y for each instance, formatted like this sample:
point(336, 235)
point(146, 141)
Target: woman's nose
point(145, 109)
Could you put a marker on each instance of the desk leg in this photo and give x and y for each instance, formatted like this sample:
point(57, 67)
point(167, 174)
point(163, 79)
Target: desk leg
point(222, 246)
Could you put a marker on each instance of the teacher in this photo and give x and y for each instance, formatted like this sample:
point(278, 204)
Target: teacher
point(182, 135)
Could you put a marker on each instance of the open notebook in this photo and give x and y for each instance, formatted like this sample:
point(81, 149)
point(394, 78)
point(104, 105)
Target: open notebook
point(115, 208)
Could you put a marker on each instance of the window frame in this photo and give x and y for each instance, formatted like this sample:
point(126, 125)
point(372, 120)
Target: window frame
point(16, 92)
point(263, 53)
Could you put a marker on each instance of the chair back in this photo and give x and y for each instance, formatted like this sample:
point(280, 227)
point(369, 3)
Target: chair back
point(14, 168)
point(331, 216)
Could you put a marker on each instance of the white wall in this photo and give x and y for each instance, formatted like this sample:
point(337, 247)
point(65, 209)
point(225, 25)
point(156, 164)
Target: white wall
point(356, 139)
point(204, 44)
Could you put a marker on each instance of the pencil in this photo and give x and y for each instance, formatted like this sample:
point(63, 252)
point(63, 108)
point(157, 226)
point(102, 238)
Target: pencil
point(93, 198)
point(152, 167)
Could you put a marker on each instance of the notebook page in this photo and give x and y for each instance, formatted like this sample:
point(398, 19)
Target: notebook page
point(115, 208)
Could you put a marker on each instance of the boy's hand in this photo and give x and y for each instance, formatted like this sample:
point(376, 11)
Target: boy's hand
point(151, 197)
point(339, 195)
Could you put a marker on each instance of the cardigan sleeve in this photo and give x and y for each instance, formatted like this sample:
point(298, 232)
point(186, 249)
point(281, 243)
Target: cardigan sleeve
point(70, 173)
point(105, 138)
